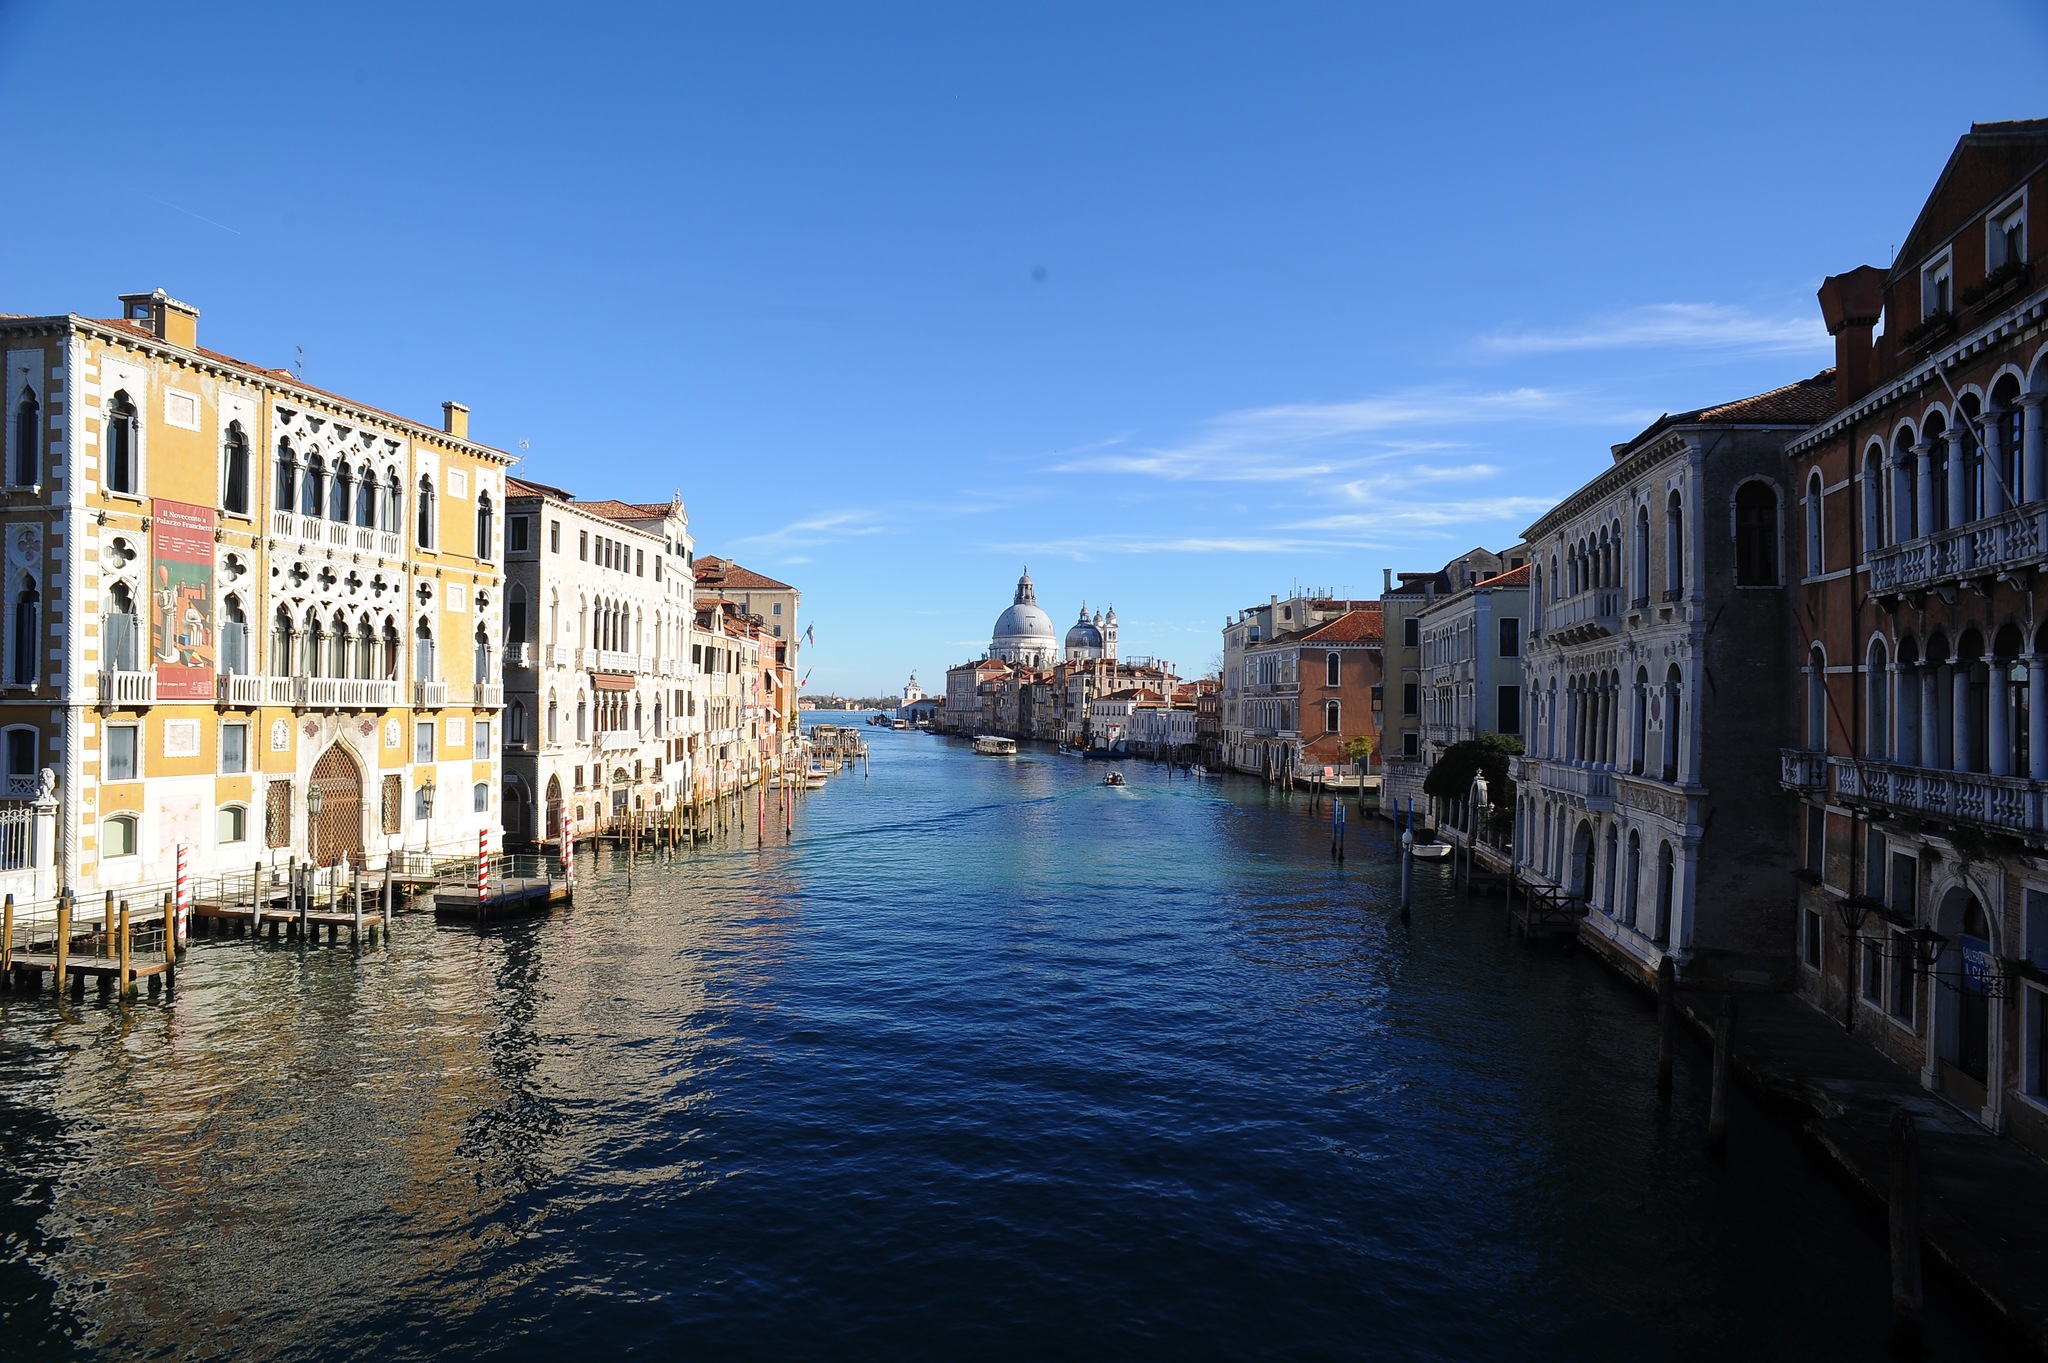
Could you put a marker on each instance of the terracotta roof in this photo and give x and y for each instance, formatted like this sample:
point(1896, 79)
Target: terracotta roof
point(614, 510)
point(1514, 577)
point(286, 376)
point(710, 565)
point(1352, 627)
point(1805, 403)
point(526, 487)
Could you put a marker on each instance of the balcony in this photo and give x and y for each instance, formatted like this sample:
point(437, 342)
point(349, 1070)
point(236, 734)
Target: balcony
point(127, 689)
point(519, 655)
point(618, 740)
point(318, 530)
point(1589, 615)
point(1589, 786)
point(239, 688)
point(611, 660)
point(560, 655)
point(2009, 542)
point(1802, 771)
point(348, 693)
point(490, 696)
point(429, 695)
point(2002, 804)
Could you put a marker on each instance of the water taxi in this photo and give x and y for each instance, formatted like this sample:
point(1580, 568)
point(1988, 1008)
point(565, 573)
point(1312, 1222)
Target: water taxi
point(992, 745)
point(1115, 778)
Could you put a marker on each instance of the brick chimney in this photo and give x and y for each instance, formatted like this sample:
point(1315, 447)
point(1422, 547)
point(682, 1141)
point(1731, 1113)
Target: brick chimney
point(166, 318)
point(455, 420)
point(1851, 305)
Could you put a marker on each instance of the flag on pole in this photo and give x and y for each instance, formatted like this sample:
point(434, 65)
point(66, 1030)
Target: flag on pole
point(810, 633)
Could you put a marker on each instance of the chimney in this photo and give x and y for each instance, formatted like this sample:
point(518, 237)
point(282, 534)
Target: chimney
point(455, 420)
point(166, 318)
point(1851, 305)
point(1386, 580)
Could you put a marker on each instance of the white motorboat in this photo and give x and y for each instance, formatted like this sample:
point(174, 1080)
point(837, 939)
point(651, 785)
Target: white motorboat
point(994, 745)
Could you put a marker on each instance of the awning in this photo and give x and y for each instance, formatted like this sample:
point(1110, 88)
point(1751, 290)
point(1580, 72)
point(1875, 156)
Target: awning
point(612, 681)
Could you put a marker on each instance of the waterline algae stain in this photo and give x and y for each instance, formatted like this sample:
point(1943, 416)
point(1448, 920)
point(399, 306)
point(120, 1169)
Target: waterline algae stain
point(988, 1060)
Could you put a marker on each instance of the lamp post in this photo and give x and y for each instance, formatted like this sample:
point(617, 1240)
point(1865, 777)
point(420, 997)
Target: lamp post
point(427, 818)
point(315, 802)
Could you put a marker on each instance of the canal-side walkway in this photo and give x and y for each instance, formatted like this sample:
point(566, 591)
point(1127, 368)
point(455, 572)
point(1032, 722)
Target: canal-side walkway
point(1984, 1200)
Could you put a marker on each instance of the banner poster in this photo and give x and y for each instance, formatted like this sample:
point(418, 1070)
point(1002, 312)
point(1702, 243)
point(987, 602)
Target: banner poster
point(181, 641)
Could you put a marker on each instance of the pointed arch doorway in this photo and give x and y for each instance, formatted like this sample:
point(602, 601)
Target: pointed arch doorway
point(338, 828)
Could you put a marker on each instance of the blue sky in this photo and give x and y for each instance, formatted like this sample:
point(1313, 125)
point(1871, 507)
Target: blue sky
point(1181, 305)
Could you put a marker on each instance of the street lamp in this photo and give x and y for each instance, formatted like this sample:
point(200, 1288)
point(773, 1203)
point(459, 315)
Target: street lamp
point(427, 817)
point(315, 801)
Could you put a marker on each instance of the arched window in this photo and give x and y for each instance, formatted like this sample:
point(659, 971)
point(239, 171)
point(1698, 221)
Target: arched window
point(394, 503)
point(1873, 499)
point(390, 649)
point(1816, 556)
point(366, 498)
point(119, 632)
point(1674, 546)
point(1642, 553)
point(1975, 503)
point(423, 653)
point(515, 615)
point(26, 465)
point(1907, 514)
point(234, 637)
point(1937, 510)
point(1331, 715)
point(483, 655)
point(2009, 429)
point(231, 824)
point(366, 649)
point(582, 719)
point(480, 797)
point(120, 441)
point(315, 650)
point(1877, 691)
point(1816, 700)
point(344, 489)
point(234, 471)
point(1667, 875)
point(426, 513)
point(287, 476)
point(313, 487)
point(1756, 534)
point(1634, 879)
point(554, 734)
point(117, 836)
point(1554, 583)
point(515, 724)
point(338, 656)
point(485, 525)
point(22, 668)
point(282, 643)
point(1639, 721)
point(1672, 687)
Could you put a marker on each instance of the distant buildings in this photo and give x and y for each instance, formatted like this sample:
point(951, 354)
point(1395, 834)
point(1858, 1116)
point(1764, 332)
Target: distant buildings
point(1301, 681)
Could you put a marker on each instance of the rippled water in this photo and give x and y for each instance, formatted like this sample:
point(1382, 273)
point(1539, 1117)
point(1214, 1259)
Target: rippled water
point(988, 1061)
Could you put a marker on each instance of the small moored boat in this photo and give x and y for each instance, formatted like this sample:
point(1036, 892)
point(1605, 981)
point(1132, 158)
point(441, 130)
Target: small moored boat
point(1430, 851)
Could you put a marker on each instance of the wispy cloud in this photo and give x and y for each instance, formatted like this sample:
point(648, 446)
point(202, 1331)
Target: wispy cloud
point(829, 528)
point(1308, 441)
point(1674, 326)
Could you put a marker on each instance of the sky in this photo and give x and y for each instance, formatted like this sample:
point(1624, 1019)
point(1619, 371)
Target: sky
point(1180, 305)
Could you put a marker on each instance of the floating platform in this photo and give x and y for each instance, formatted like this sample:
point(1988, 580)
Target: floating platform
point(520, 897)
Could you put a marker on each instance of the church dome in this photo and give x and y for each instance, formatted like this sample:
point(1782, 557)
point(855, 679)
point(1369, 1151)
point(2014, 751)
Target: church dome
point(1083, 633)
point(1024, 633)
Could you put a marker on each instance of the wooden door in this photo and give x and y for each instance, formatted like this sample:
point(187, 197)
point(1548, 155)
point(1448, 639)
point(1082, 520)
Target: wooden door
point(338, 830)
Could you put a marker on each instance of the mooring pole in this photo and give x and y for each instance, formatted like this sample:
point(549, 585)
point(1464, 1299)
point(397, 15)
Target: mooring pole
point(1408, 861)
point(1667, 989)
point(1902, 1149)
point(1717, 1109)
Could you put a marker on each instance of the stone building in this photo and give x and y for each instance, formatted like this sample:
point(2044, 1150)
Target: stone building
point(227, 588)
point(598, 605)
point(1470, 674)
point(1653, 625)
point(1261, 696)
point(1918, 723)
point(771, 609)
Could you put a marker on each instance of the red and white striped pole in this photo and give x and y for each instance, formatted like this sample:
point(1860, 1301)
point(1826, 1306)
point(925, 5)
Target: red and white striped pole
point(184, 899)
point(483, 865)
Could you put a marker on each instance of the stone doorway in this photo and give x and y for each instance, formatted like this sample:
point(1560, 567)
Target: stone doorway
point(338, 829)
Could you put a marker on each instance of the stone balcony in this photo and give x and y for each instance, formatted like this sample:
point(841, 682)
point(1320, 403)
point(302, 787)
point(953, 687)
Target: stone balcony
point(429, 695)
point(1590, 614)
point(2009, 542)
point(1802, 771)
point(2001, 804)
point(618, 740)
point(519, 655)
point(612, 660)
point(127, 689)
point(559, 655)
point(356, 539)
point(1583, 784)
point(489, 696)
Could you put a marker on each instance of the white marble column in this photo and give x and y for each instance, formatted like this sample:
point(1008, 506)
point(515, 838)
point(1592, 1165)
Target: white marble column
point(1999, 745)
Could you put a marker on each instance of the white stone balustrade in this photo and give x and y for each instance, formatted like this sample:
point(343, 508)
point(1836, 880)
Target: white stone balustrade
point(2006, 542)
point(1799, 769)
point(2006, 804)
point(1587, 615)
point(127, 688)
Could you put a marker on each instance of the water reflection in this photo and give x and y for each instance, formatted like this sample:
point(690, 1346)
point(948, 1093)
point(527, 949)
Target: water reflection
point(983, 1058)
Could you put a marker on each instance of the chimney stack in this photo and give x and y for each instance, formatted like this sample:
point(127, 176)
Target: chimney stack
point(455, 420)
point(1386, 580)
point(1851, 305)
point(166, 318)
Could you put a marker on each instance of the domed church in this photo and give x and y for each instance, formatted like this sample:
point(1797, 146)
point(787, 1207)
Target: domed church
point(1023, 634)
point(1088, 640)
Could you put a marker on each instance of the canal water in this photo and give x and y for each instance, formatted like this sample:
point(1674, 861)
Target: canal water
point(988, 1060)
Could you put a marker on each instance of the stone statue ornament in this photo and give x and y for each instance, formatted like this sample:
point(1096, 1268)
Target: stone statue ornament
point(46, 784)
